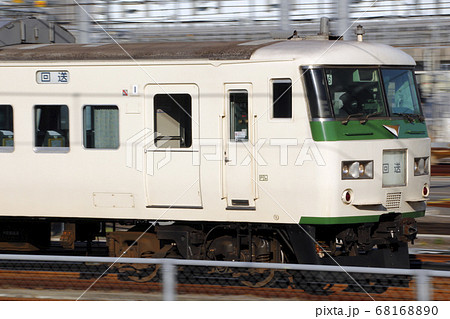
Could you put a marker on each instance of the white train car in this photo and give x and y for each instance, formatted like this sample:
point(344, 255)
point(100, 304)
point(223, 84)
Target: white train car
point(280, 151)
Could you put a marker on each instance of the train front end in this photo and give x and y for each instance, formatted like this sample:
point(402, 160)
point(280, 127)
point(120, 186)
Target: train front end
point(369, 127)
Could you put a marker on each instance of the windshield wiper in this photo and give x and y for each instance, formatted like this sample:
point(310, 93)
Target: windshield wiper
point(407, 116)
point(345, 122)
point(364, 121)
point(420, 117)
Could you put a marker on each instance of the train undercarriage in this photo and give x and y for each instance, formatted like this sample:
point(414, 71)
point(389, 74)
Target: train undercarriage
point(381, 244)
point(349, 244)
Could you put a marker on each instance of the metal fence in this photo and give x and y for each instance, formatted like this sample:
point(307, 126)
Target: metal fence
point(105, 278)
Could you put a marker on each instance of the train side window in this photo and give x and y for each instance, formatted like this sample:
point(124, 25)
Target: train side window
point(238, 115)
point(6, 128)
point(173, 120)
point(101, 126)
point(282, 98)
point(51, 128)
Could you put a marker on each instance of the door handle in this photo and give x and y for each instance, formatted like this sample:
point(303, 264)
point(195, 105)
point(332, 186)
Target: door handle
point(227, 160)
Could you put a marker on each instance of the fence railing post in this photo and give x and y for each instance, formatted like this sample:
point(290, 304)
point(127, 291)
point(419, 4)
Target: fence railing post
point(169, 273)
point(423, 285)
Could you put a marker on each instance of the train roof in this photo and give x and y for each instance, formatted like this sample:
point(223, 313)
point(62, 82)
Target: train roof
point(335, 52)
point(211, 50)
point(307, 51)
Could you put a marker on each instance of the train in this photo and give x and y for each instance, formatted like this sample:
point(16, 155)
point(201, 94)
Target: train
point(302, 150)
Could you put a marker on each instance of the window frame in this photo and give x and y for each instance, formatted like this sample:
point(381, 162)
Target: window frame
point(50, 149)
point(6, 148)
point(232, 124)
point(416, 86)
point(307, 96)
point(333, 117)
point(356, 95)
point(181, 108)
point(84, 126)
point(273, 81)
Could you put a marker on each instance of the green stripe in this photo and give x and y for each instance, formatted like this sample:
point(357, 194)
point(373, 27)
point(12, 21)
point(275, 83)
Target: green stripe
point(372, 130)
point(352, 219)
point(413, 214)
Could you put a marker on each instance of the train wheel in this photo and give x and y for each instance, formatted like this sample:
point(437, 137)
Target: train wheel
point(138, 273)
point(258, 278)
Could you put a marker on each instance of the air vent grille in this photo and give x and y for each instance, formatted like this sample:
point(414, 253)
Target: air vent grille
point(393, 200)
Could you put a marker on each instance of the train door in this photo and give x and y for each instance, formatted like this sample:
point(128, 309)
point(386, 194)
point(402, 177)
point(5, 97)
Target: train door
point(172, 177)
point(238, 161)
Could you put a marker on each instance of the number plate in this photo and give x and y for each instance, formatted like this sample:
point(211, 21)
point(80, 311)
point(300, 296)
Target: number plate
point(52, 77)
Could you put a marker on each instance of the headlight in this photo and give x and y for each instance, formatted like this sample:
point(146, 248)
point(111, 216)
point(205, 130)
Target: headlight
point(421, 166)
point(369, 169)
point(345, 170)
point(361, 169)
point(357, 170)
point(354, 170)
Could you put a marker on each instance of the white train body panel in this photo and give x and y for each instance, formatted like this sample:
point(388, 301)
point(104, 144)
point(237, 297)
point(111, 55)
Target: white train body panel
point(281, 171)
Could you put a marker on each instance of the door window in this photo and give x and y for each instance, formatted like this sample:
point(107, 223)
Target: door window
point(173, 120)
point(239, 115)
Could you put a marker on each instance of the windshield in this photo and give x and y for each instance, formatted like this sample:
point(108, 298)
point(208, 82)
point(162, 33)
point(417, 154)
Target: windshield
point(401, 91)
point(355, 91)
point(360, 92)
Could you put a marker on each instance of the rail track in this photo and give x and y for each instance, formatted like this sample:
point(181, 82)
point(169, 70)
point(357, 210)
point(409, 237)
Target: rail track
point(440, 203)
point(71, 281)
point(431, 258)
point(80, 276)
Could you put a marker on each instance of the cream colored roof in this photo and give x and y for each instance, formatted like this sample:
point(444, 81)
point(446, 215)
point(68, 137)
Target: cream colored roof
point(307, 52)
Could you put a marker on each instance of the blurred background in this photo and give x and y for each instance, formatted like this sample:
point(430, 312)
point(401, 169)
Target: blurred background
point(419, 27)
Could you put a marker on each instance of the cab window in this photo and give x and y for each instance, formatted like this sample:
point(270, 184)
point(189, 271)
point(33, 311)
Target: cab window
point(401, 91)
point(355, 91)
point(317, 93)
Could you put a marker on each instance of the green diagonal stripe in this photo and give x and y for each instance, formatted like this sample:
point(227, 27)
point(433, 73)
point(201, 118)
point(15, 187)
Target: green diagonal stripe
point(372, 130)
point(352, 219)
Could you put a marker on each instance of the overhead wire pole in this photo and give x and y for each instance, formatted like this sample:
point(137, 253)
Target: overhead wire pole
point(83, 22)
point(343, 17)
point(285, 15)
point(107, 13)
